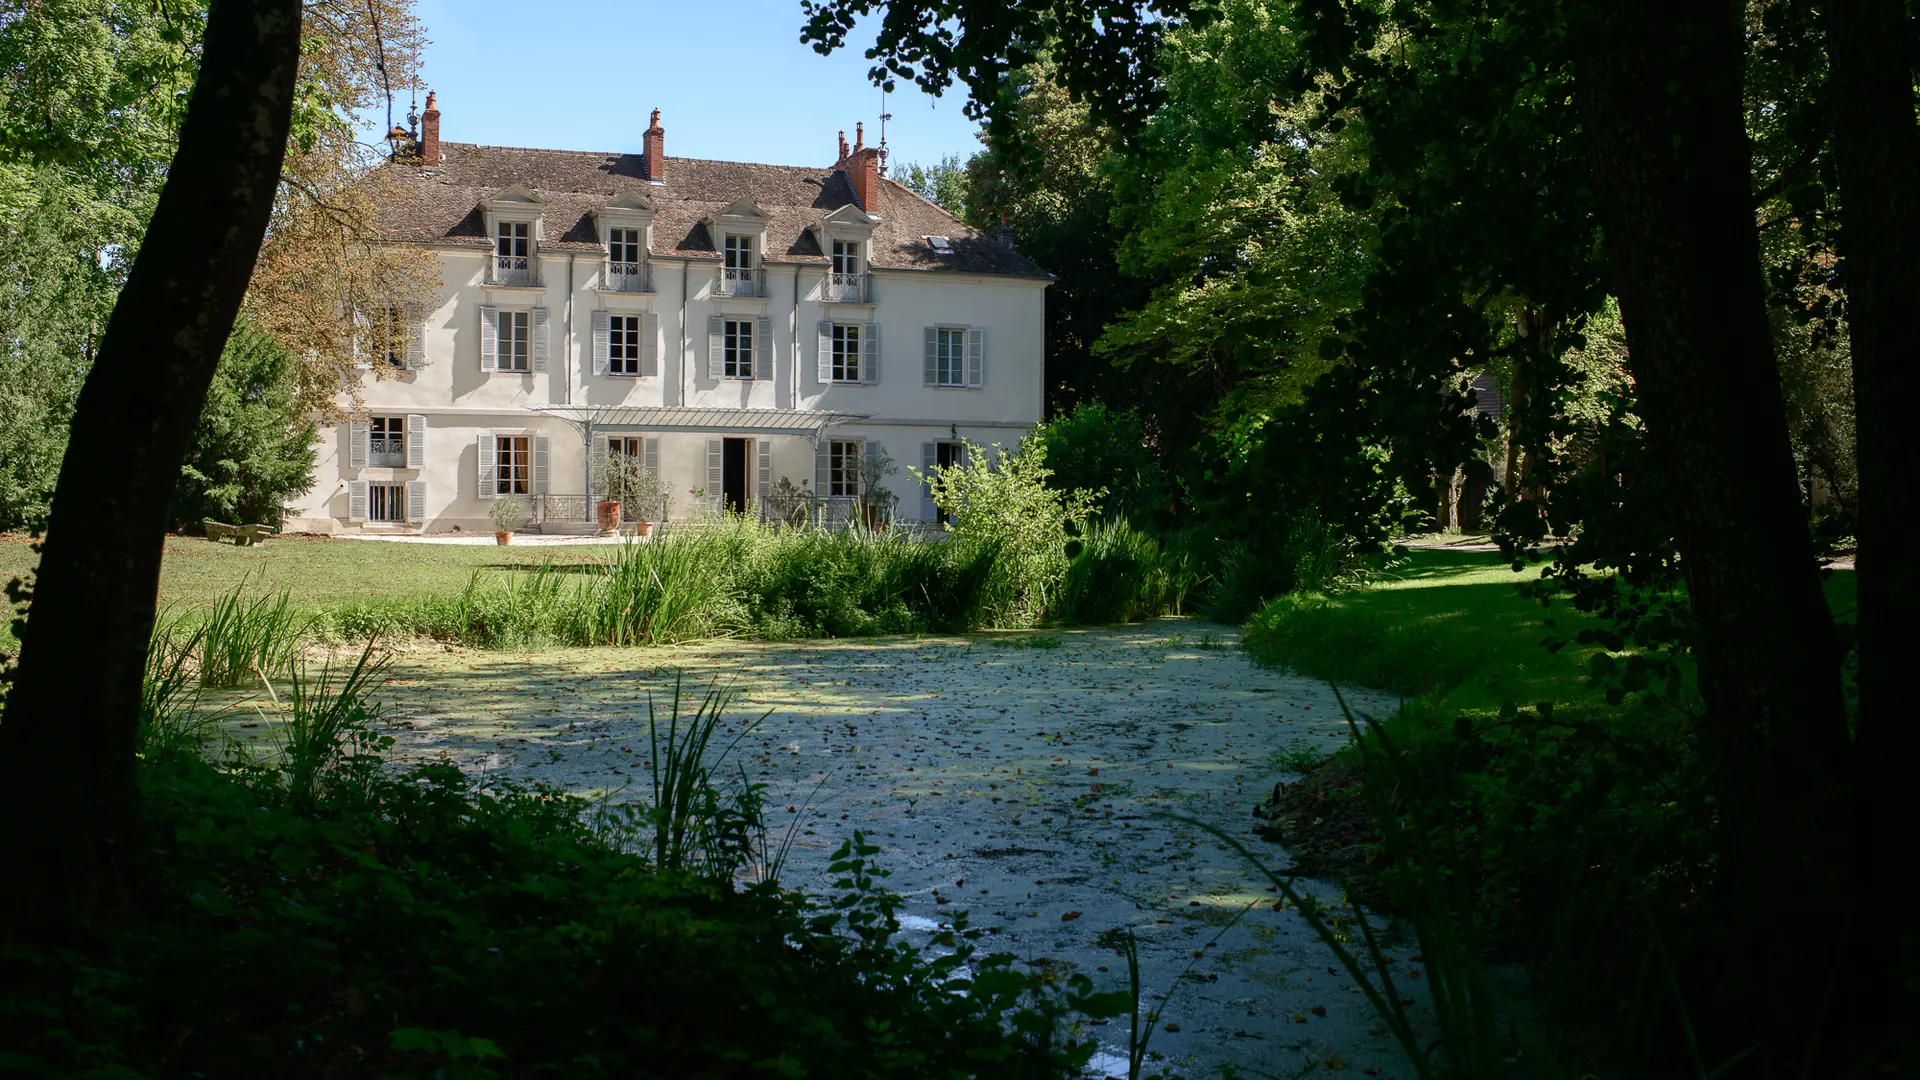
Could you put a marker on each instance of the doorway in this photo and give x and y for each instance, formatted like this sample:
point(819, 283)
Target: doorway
point(948, 455)
point(733, 475)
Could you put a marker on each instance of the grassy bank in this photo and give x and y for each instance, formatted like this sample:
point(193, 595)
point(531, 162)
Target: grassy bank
point(1533, 820)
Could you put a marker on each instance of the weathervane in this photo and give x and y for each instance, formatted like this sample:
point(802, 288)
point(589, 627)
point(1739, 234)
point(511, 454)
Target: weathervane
point(884, 117)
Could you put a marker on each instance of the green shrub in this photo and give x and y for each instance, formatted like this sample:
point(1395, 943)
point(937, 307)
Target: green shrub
point(423, 926)
point(1002, 500)
point(1094, 448)
point(1122, 574)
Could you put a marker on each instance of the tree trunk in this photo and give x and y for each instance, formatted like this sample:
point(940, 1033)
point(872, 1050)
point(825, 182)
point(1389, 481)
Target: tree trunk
point(1877, 152)
point(1660, 89)
point(67, 795)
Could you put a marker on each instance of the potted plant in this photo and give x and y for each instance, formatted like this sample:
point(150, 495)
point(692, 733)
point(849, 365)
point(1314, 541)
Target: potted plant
point(876, 501)
point(647, 494)
point(505, 513)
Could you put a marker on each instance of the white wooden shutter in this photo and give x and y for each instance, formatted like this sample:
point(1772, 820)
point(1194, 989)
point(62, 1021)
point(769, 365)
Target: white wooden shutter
point(650, 344)
point(716, 346)
point(416, 502)
point(356, 500)
point(416, 338)
point(716, 472)
point(357, 445)
point(487, 450)
point(822, 466)
point(598, 457)
point(489, 337)
point(933, 350)
point(539, 323)
point(600, 348)
point(929, 460)
point(762, 468)
point(763, 348)
point(823, 361)
point(650, 455)
point(362, 340)
point(976, 357)
point(542, 445)
point(416, 441)
point(870, 353)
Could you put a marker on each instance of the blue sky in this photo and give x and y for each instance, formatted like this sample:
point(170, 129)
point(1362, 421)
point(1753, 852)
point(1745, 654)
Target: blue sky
point(732, 81)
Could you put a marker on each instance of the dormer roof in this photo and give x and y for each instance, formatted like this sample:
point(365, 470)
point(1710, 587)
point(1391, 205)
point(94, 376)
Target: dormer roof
point(444, 205)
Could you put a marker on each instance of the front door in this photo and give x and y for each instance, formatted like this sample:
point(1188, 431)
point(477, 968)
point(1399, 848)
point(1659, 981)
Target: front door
point(733, 476)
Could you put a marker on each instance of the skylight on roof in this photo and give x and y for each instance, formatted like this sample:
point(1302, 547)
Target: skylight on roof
point(941, 245)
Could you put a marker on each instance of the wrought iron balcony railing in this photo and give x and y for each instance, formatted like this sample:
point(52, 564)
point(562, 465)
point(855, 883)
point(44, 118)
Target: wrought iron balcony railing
point(847, 288)
point(741, 281)
point(387, 453)
point(633, 277)
point(512, 270)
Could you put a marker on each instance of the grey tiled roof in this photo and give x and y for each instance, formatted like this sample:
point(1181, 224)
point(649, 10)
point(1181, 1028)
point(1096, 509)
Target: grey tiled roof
point(441, 205)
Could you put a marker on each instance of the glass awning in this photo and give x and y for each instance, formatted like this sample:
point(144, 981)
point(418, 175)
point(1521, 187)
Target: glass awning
point(805, 422)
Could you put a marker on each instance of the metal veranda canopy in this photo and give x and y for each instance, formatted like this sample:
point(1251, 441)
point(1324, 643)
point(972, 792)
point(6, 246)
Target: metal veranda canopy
point(654, 418)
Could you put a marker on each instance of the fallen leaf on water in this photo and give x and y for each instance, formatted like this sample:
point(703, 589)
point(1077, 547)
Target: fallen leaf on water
point(1318, 1010)
point(1069, 916)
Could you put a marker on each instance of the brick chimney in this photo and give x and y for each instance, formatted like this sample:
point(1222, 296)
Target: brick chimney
point(862, 166)
point(655, 143)
point(430, 133)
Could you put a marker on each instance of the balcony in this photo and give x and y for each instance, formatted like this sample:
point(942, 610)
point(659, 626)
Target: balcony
point(628, 277)
point(387, 453)
point(847, 288)
point(513, 270)
point(741, 281)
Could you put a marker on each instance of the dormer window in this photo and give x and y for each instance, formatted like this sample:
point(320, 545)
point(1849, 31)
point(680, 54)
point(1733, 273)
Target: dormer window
point(513, 253)
point(739, 276)
point(846, 277)
point(626, 270)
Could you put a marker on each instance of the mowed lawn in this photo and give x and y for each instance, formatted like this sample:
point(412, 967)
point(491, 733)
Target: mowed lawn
point(1450, 625)
point(317, 572)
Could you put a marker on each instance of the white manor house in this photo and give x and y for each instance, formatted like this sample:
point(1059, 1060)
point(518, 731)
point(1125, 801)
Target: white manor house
point(729, 325)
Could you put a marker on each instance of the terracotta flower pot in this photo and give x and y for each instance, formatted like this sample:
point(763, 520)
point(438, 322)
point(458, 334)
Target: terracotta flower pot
point(608, 514)
point(503, 538)
point(643, 528)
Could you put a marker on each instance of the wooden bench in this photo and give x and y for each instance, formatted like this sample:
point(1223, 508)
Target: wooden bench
point(241, 535)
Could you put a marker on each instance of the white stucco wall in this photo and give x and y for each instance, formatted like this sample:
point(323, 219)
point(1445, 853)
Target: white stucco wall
point(460, 401)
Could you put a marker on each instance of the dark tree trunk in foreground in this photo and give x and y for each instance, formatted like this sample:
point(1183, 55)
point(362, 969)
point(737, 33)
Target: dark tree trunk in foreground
point(1660, 85)
point(67, 796)
point(1877, 150)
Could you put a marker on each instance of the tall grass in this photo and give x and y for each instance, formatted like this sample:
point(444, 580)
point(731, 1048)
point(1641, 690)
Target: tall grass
point(169, 687)
point(326, 738)
point(1123, 574)
point(698, 822)
point(736, 577)
point(244, 638)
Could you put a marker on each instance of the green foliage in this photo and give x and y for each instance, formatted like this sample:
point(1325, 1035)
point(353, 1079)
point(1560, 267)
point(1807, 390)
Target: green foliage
point(1094, 448)
point(1122, 574)
point(244, 639)
point(424, 926)
point(1003, 503)
point(943, 183)
point(254, 446)
point(697, 825)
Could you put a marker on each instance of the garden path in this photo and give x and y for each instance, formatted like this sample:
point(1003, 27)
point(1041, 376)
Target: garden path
point(1019, 782)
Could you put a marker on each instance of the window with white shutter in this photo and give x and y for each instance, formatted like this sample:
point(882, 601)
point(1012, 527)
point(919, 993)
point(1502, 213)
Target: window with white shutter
point(870, 354)
point(486, 454)
point(356, 500)
point(416, 441)
point(416, 496)
point(357, 436)
point(946, 356)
